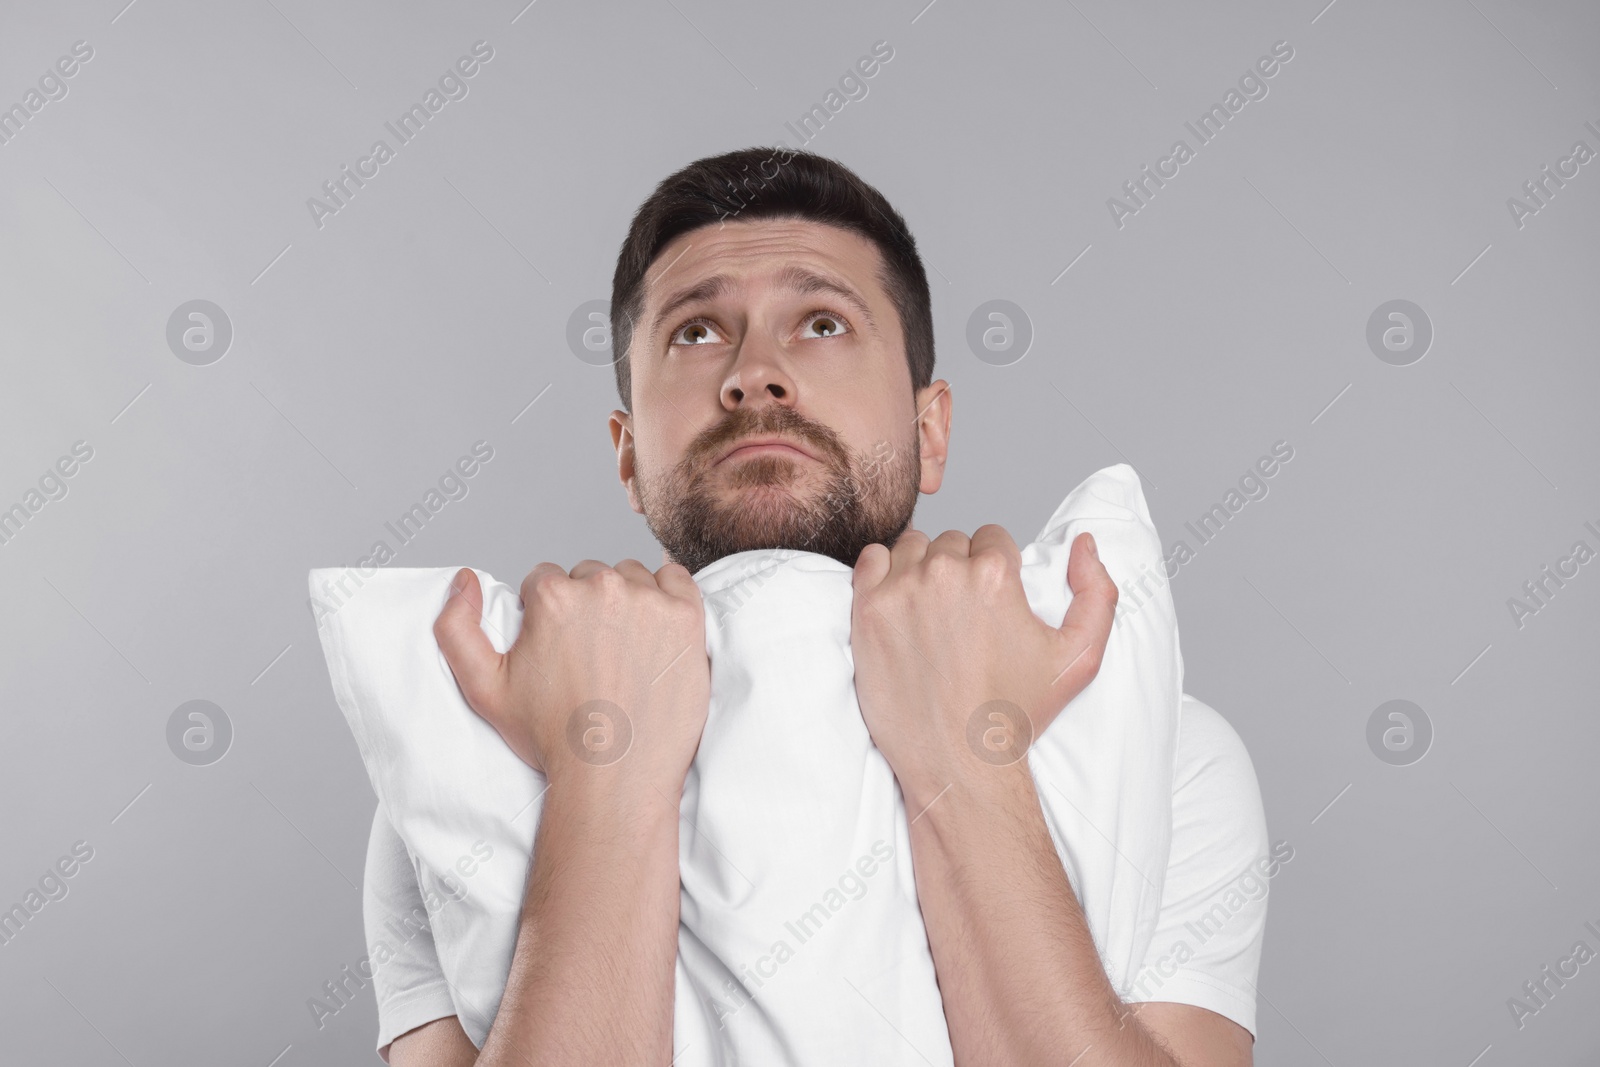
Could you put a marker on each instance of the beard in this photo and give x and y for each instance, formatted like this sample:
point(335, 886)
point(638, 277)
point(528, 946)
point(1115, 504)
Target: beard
point(701, 512)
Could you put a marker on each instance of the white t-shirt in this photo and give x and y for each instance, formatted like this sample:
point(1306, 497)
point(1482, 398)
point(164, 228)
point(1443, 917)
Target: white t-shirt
point(1206, 950)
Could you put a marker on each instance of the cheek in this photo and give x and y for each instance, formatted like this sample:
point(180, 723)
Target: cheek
point(663, 435)
point(869, 433)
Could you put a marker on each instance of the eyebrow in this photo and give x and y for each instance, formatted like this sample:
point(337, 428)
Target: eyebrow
point(793, 278)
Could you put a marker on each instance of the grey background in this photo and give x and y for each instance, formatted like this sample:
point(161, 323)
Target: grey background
point(1228, 314)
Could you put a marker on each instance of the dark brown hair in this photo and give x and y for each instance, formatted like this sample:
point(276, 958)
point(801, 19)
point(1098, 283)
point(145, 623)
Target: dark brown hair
point(758, 183)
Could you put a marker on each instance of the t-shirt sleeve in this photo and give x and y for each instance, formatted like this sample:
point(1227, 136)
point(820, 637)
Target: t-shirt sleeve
point(408, 983)
point(1207, 946)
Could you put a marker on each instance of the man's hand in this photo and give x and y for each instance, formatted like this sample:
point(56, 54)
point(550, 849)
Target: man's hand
point(610, 668)
point(605, 690)
point(956, 677)
point(954, 671)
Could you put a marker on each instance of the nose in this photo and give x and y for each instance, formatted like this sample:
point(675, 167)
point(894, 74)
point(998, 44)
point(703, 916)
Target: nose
point(759, 378)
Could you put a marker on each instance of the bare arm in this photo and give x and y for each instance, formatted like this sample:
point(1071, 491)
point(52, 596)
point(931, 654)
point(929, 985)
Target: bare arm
point(1018, 970)
point(591, 977)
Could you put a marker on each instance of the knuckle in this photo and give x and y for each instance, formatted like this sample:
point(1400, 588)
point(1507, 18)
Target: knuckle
point(538, 581)
point(688, 616)
point(992, 567)
point(609, 581)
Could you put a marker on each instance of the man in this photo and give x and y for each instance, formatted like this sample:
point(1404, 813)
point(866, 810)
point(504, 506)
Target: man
point(776, 342)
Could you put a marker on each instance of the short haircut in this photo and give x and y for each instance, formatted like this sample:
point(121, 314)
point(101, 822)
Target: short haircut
point(768, 183)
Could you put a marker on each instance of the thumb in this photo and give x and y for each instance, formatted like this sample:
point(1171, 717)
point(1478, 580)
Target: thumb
point(1087, 625)
point(473, 660)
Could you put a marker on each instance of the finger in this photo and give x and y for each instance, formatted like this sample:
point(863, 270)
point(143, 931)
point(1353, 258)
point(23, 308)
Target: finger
point(950, 543)
point(472, 659)
point(674, 578)
point(587, 567)
point(636, 573)
point(1086, 574)
point(872, 567)
point(908, 549)
point(541, 575)
point(1087, 625)
point(993, 537)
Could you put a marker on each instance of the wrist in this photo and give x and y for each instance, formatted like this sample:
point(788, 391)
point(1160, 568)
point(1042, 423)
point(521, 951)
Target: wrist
point(927, 786)
point(610, 796)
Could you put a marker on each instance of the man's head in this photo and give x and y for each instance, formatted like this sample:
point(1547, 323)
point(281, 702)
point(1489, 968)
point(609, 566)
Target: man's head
point(768, 294)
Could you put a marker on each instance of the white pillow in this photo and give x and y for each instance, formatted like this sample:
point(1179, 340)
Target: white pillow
point(800, 938)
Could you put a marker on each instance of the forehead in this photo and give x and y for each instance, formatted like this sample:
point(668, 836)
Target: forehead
point(752, 254)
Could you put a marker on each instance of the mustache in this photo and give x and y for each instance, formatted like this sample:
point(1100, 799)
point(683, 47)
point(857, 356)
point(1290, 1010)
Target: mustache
point(772, 419)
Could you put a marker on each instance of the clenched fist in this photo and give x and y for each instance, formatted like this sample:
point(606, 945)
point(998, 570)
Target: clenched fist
point(949, 654)
point(608, 676)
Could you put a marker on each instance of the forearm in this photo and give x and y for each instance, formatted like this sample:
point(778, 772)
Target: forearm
point(1021, 979)
point(591, 980)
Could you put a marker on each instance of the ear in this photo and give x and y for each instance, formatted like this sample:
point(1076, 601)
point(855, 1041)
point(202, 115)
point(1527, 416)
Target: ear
point(622, 440)
point(933, 433)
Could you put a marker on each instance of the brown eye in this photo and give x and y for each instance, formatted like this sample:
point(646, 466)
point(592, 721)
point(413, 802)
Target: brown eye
point(825, 324)
point(694, 332)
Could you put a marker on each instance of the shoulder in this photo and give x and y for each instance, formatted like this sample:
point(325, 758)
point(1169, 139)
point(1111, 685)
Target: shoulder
point(1207, 946)
point(408, 984)
point(1214, 775)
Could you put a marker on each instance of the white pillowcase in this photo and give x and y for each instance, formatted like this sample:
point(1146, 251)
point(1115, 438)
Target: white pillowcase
point(800, 939)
